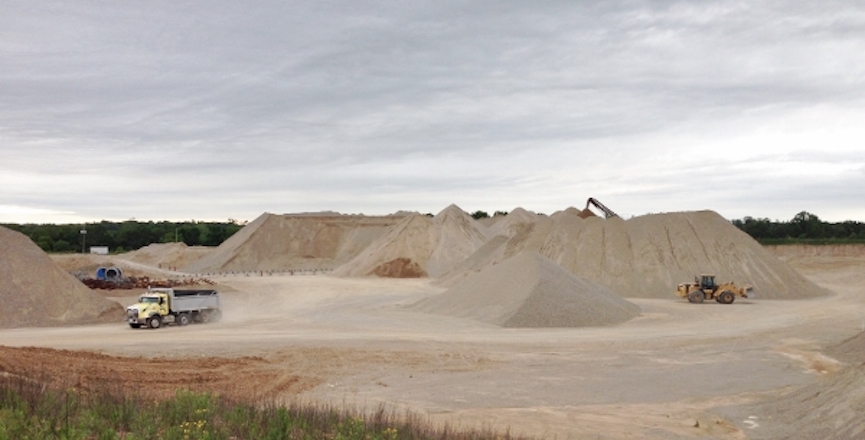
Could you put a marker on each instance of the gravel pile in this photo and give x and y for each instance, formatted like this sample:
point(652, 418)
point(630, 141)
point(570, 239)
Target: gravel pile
point(528, 290)
point(36, 292)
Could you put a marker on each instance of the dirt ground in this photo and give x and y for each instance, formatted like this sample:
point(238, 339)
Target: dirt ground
point(354, 342)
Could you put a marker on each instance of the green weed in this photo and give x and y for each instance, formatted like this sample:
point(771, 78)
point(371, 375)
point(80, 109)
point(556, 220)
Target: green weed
point(30, 409)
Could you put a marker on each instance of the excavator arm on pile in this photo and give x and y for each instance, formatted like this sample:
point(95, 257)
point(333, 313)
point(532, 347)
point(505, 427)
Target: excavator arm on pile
point(608, 213)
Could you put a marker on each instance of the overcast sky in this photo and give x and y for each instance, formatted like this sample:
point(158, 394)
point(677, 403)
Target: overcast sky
point(210, 110)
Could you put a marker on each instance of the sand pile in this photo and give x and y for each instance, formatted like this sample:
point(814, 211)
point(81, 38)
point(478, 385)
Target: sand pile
point(37, 292)
point(167, 255)
point(529, 290)
point(295, 241)
point(648, 256)
point(427, 246)
point(513, 223)
point(458, 236)
point(400, 253)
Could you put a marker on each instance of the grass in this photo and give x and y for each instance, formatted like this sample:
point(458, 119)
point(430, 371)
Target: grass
point(31, 409)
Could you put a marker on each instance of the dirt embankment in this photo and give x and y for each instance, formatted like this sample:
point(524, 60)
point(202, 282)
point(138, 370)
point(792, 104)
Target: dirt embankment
point(830, 250)
point(830, 408)
point(248, 376)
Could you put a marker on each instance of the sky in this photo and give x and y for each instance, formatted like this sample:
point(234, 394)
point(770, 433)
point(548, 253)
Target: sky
point(216, 110)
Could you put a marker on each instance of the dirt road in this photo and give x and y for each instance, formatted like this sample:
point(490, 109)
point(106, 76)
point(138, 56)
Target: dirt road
point(352, 341)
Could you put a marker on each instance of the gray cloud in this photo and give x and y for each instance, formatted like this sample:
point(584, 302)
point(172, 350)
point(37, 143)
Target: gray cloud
point(381, 106)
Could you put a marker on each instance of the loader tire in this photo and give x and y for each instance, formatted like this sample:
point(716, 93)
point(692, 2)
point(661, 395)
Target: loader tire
point(696, 296)
point(726, 297)
point(154, 322)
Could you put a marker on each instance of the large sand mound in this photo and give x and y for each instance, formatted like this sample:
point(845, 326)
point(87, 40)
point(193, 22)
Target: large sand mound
point(648, 256)
point(529, 290)
point(428, 246)
point(295, 241)
point(37, 292)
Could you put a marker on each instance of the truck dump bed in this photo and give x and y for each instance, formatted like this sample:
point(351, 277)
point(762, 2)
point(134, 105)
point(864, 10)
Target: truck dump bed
point(189, 300)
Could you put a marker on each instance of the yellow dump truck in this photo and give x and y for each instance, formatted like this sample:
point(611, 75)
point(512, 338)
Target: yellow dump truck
point(159, 306)
point(704, 287)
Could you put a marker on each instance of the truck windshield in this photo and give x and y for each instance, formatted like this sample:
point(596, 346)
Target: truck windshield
point(149, 299)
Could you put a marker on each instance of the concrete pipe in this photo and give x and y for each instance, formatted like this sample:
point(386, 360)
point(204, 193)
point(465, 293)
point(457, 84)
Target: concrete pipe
point(113, 273)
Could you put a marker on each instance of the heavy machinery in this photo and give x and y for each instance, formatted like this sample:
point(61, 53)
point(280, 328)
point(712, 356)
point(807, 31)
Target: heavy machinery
point(704, 287)
point(160, 306)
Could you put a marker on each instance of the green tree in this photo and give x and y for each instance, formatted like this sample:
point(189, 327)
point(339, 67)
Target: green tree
point(62, 246)
point(190, 234)
point(807, 225)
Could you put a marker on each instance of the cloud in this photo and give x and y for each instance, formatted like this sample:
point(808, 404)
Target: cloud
point(382, 106)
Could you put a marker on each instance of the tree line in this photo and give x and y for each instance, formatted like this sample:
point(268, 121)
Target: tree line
point(125, 236)
point(805, 227)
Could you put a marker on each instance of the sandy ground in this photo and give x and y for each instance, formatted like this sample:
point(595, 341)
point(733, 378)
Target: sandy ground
point(352, 341)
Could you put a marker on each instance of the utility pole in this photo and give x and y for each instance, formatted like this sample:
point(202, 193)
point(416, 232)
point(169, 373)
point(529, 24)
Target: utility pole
point(84, 239)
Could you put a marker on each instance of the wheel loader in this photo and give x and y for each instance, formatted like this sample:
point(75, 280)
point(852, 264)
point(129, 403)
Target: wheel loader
point(704, 287)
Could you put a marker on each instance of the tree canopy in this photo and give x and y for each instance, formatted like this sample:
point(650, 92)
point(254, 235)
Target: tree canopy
point(125, 236)
point(804, 227)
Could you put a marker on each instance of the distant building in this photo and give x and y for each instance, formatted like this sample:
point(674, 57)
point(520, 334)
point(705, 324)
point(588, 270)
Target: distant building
point(100, 250)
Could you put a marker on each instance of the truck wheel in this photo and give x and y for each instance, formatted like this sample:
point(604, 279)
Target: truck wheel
point(726, 297)
point(154, 322)
point(183, 319)
point(697, 296)
point(135, 325)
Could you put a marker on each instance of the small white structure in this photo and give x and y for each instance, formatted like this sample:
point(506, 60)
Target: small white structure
point(99, 250)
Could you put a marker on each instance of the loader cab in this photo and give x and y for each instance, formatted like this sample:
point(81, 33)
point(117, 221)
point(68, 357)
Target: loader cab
point(707, 282)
